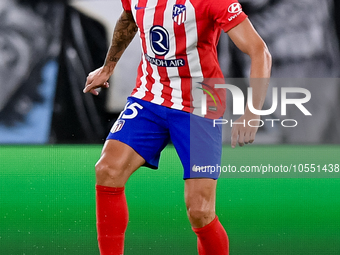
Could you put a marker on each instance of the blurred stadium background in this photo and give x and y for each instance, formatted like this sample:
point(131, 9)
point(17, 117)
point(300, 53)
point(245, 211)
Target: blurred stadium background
point(51, 136)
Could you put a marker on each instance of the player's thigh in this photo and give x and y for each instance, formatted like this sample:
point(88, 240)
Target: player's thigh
point(116, 164)
point(200, 199)
point(200, 192)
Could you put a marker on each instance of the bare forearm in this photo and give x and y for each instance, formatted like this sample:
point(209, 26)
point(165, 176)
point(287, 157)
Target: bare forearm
point(248, 41)
point(123, 34)
point(260, 76)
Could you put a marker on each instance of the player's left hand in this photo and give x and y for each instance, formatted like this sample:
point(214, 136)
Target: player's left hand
point(242, 133)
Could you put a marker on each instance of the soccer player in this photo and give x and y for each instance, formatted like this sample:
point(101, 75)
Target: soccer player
point(178, 40)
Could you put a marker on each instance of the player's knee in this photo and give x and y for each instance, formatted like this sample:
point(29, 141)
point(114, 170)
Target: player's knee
point(112, 172)
point(200, 216)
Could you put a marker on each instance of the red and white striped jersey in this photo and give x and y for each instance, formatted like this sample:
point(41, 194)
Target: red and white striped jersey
point(178, 40)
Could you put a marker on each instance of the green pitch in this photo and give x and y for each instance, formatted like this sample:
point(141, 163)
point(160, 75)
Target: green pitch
point(47, 203)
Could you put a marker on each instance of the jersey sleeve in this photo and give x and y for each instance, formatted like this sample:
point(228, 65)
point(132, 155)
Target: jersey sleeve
point(227, 13)
point(126, 5)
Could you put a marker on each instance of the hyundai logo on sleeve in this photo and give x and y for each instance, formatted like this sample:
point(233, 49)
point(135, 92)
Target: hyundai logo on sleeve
point(159, 39)
point(235, 8)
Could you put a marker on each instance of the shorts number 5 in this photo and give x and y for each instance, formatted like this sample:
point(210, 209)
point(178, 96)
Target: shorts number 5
point(133, 107)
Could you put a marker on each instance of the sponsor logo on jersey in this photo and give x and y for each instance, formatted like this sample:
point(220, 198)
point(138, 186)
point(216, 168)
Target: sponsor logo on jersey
point(117, 126)
point(179, 14)
point(159, 40)
point(139, 7)
point(164, 62)
point(235, 8)
point(160, 45)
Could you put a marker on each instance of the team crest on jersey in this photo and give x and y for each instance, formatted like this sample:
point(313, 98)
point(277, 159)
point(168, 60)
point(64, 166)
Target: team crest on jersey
point(117, 126)
point(179, 13)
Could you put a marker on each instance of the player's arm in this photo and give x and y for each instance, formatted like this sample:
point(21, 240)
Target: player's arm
point(248, 41)
point(125, 30)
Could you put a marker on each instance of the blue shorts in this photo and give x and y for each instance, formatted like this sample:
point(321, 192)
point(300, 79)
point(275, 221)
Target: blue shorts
point(148, 128)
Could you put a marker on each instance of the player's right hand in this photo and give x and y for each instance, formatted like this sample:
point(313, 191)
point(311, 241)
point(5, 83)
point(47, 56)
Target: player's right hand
point(97, 79)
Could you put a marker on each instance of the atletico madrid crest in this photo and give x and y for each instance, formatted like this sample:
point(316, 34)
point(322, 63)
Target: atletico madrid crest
point(179, 14)
point(117, 126)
